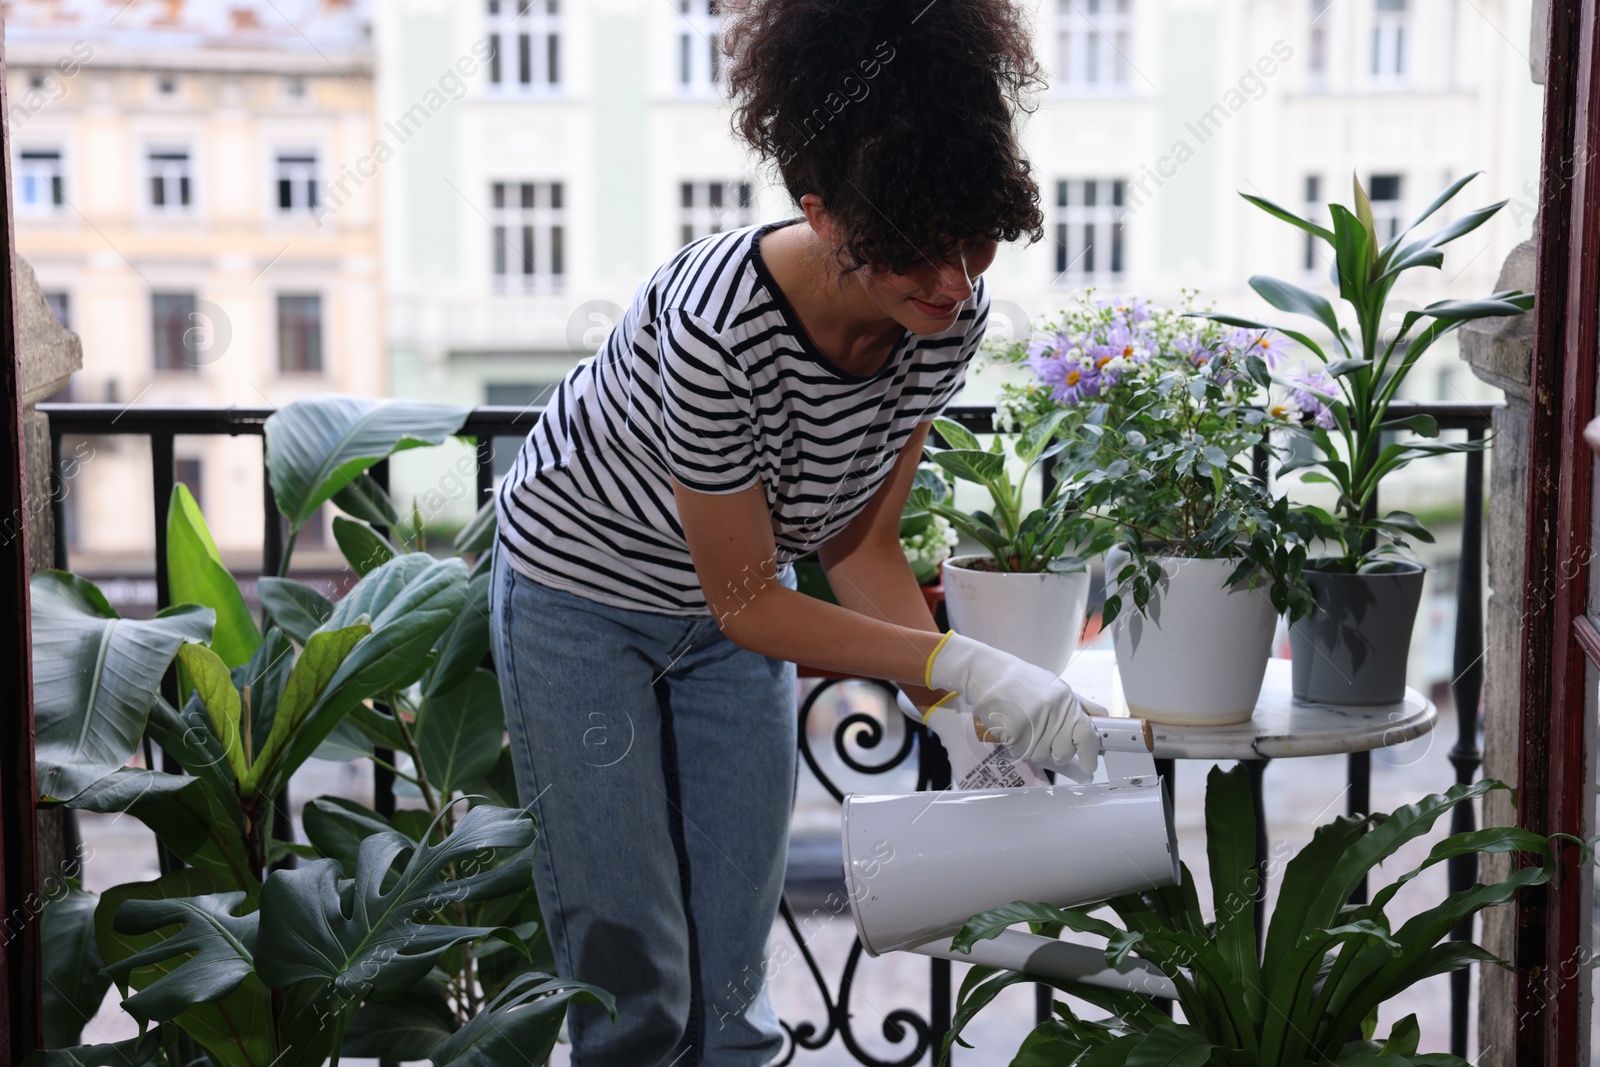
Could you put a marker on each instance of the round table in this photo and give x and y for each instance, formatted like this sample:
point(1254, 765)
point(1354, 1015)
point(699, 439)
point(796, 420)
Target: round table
point(1280, 727)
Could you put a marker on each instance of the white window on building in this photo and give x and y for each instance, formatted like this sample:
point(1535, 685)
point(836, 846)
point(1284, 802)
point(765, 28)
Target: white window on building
point(1313, 211)
point(1089, 240)
point(525, 40)
point(1386, 193)
point(528, 229)
point(297, 181)
point(1093, 42)
point(170, 185)
point(39, 181)
point(713, 207)
point(699, 44)
point(1389, 40)
point(1317, 35)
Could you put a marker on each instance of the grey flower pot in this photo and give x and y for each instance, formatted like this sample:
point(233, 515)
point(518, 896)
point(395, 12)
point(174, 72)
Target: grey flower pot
point(1352, 649)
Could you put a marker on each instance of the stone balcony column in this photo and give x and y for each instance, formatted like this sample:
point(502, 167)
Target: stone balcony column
point(49, 354)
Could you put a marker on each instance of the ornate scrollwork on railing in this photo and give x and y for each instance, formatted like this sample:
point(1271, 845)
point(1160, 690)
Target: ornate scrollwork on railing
point(855, 733)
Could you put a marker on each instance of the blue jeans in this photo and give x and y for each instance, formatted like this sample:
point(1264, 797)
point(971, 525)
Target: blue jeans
point(659, 760)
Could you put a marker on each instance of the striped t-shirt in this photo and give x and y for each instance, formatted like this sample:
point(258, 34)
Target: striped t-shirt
point(710, 380)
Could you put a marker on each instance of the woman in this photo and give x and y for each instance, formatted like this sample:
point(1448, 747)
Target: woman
point(768, 393)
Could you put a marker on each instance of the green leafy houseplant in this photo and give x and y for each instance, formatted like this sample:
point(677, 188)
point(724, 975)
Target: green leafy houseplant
point(1158, 419)
point(1018, 539)
point(416, 935)
point(1326, 966)
point(1361, 373)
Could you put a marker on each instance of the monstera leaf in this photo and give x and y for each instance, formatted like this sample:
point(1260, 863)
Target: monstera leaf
point(319, 446)
point(518, 1026)
point(235, 1029)
point(372, 934)
point(223, 944)
point(94, 677)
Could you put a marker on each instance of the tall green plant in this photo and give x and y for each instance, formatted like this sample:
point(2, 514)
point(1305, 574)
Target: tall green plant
point(395, 937)
point(1016, 537)
point(1362, 373)
point(1326, 967)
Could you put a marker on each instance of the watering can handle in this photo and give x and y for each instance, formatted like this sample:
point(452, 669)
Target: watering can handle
point(1116, 735)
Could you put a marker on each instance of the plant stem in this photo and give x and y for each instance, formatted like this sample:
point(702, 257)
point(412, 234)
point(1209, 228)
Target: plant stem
point(288, 554)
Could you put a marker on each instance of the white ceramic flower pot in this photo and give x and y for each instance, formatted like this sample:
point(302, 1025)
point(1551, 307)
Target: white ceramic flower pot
point(1036, 617)
point(1197, 656)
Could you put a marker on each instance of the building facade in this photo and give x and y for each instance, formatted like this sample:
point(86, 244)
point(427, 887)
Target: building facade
point(543, 156)
point(170, 161)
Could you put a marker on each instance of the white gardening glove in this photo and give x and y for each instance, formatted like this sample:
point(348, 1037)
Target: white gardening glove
point(1037, 715)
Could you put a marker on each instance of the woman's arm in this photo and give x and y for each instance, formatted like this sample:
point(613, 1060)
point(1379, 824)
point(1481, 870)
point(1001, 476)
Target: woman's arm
point(881, 627)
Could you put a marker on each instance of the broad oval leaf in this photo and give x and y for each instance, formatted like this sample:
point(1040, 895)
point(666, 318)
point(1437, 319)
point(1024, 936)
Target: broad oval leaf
point(195, 575)
point(294, 606)
point(460, 732)
point(95, 675)
point(213, 683)
point(462, 647)
point(317, 446)
point(205, 830)
point(73, 985)
point(361, 545)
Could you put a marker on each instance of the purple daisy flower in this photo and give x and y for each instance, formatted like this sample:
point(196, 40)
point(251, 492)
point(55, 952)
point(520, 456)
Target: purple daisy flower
point(1304, 390)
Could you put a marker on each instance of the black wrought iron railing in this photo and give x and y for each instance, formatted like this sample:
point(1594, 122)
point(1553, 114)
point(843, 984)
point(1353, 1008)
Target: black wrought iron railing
point(916, 1035)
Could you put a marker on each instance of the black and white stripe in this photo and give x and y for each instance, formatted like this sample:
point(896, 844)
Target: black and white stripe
point(708, 379)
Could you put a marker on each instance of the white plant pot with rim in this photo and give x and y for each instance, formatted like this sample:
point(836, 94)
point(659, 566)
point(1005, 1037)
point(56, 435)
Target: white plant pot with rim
point(1198, 654)
point(1036, 616)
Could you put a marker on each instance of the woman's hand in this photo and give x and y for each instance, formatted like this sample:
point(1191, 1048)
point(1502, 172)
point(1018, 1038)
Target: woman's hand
point(1037, 715)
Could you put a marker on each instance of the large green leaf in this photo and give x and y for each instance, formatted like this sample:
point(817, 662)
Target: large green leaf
point(296, 607)
point(1288, 216)
point(372, 934)
point(1286, 296)
point(368, 501)
point(408, 1027)
point(324, 654)
point(462, 647)
point(236, 1031)
point(73, 984)
point(361, 545)
point(336, 827)
point(213, 683)
point(410, 601)
point(460, 732)
point(142, 1051)
point(195, 575)
point(318, 446)
point(518, 1026)
point(1171, 1046)
point(94, 677)
point(223, 944)
point(1231, 851)
point(205, 830)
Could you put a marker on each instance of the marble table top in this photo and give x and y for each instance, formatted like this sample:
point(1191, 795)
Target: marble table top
point(1281, 726)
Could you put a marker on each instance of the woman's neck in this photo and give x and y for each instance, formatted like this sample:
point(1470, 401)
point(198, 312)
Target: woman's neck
point(845, 326)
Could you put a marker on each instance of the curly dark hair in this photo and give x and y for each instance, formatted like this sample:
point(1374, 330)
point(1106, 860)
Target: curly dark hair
point(899, 114)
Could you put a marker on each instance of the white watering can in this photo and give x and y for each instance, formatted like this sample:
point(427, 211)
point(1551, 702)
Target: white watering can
point(919, 865)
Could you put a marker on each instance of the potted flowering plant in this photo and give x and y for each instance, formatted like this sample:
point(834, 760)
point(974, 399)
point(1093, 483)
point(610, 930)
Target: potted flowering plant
point(1028, 592)
point(1162, 413)
point(1353, 648)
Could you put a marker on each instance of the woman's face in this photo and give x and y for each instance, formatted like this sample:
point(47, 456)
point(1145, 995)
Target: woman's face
point(927, 300)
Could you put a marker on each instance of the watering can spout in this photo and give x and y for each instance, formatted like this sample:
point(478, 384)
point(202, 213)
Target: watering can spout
point(919, 865)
